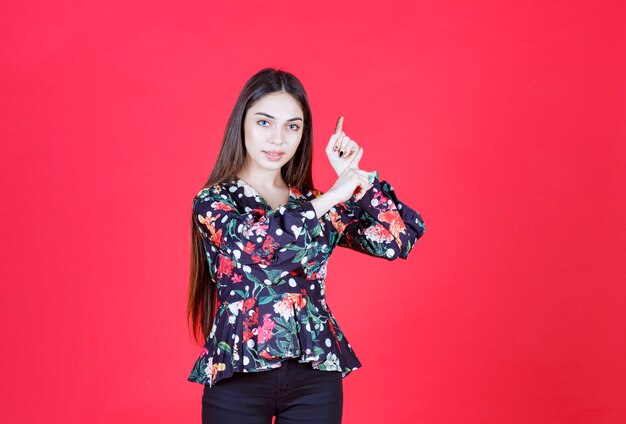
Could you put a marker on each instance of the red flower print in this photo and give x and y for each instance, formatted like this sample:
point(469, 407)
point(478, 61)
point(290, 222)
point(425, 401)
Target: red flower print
point(249, 324)
point(248, 303)
point(255, 227)
point(208, 221)
point(378, 233)
point(382, 200)
point(236, 278)
point(396, 225)
point(265, 331)
point(249, 247)
point(296, 192)
point(266, 354)
point(222, 206)
point(297, 299)
point(269, 243)
point(216, 237)
point(336, 221)
point(225, 266)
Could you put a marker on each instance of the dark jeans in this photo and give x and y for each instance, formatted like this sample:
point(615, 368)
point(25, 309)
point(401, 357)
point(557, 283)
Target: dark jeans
point(295, 393)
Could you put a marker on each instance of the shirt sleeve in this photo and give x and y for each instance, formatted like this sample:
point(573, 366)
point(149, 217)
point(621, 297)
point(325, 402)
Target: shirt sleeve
point(254, 236)
point(379, 224)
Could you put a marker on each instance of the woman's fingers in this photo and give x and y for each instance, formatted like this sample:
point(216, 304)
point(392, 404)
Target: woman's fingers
point(355, 159)
point(362, 189)
point(339, 125)
point(363, 184)
point(347, 146)
point(341, 150)
point(332, 142)
point(358, 177)
point(339, 142)
point(337, 134)
point(353, 183)
point(350, 148)
point(342, 145)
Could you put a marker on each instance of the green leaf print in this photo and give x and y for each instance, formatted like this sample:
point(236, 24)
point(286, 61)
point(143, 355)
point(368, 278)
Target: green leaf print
point(282, 323)
point(254, 279)
point(301, 254)
point(284, 346)
point(317, 350)
point(265, 299)
point(273, 274)
point(225, 347)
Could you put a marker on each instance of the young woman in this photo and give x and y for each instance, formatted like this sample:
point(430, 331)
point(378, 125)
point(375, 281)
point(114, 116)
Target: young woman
point(261, 239)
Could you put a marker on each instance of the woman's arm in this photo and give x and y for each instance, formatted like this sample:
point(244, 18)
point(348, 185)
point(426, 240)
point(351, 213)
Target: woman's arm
point(253, 237)
point(324, 202)
point(379, 224)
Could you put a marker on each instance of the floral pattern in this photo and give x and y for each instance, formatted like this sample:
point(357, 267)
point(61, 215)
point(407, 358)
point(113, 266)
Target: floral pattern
point(270, 268)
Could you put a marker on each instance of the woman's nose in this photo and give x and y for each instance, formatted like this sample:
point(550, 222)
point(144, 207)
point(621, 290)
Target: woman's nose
point(277, 136)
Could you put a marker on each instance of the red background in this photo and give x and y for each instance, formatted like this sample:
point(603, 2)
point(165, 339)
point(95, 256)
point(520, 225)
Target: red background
point(502, 122)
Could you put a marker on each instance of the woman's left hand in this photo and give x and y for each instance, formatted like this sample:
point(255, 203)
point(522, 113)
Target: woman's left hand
point(341, 149)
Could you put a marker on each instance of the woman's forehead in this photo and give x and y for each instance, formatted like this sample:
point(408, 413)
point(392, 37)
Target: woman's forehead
point(279, 105)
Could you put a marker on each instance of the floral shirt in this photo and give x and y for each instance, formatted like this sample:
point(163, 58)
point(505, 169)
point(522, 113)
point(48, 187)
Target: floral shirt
point(270, 265)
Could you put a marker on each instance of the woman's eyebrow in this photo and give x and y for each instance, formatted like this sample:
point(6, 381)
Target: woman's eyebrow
point(270, 116)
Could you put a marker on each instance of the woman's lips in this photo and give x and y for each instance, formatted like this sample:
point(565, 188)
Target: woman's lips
point(273, 156)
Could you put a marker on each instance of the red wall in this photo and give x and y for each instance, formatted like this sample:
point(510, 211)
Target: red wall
point(502, 122)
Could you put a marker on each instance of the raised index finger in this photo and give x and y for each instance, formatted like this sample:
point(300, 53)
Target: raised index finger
point(339, 125)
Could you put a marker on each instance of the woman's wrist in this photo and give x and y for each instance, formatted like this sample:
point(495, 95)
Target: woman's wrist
point(342, 169)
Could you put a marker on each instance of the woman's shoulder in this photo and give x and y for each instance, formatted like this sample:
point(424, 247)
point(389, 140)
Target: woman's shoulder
point(220, 191)
point(211, 190)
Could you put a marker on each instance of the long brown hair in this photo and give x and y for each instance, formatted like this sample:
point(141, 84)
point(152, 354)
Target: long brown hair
point(297, 172)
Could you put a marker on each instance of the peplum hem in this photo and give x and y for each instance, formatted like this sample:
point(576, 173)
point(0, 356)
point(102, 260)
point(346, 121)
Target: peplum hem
point(257, 335)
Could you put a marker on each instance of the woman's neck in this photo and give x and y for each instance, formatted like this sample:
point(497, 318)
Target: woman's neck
point(269, 178)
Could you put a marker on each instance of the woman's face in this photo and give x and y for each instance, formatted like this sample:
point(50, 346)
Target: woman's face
point(272, 131)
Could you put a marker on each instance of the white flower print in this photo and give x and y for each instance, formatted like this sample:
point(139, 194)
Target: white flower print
point(331, 363)
point(284, 308)
point(209, 368)
point(234, 309)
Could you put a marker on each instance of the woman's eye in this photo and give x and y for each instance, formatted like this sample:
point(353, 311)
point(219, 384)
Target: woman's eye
point(295, 127)
point(262, 120)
